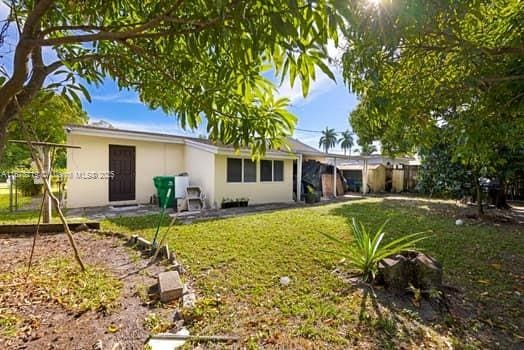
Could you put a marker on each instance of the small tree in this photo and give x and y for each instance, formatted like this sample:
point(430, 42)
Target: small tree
point(46, 115)
point(367, 149)
point(328, 139)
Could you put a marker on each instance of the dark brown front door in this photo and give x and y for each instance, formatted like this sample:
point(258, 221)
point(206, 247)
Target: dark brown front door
point(122, 164)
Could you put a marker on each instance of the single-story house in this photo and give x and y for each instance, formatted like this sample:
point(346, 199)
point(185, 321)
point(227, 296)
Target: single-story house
point(116, 167)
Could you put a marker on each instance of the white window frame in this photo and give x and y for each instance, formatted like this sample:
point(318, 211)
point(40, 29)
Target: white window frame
point(242, 172)
point(273, 171)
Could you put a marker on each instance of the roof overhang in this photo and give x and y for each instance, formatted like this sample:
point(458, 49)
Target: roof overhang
point(124, 134)
point(228, 151)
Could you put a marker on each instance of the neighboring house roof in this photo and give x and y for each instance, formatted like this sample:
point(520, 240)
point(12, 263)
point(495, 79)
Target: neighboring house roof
point(358, 166)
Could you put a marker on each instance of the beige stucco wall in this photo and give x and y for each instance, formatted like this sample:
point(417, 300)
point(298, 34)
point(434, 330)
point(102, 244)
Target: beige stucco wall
point(152, 159)
point(257, 192)
point(200, 166)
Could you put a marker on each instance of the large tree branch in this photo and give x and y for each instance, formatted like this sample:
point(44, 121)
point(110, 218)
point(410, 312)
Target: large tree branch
point(33, 19)
point(139, 26)
point(22, 52)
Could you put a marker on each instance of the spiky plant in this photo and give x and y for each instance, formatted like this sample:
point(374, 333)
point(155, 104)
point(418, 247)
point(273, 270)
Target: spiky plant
point(366, 250)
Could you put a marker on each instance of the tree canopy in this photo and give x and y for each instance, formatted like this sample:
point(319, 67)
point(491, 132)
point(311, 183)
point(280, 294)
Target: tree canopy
point(328, 139)
point(45, 117)
point(421, 66)
point(346, 141)
point(193, 59)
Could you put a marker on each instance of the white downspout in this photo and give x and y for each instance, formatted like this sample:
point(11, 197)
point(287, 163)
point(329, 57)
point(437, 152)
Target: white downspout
point(335, 177)
point(365, 177)
point(299, 177)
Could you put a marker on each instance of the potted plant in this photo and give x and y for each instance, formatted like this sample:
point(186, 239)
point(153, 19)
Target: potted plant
point(227, 203)
point(310, 196)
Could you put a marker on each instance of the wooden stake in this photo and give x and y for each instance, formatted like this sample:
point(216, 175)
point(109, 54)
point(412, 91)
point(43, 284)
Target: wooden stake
point(36, 233)
point(198, 338)
point(46, 153)
point(47, 185)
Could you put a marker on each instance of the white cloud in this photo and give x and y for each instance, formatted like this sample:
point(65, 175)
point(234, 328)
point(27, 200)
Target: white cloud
point(117, 98)
point(320, 86)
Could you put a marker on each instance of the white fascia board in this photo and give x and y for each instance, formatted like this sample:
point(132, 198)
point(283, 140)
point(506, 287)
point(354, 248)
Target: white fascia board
point(232, 152)
point(247, 153)
point(115, 134)
point(202, 146)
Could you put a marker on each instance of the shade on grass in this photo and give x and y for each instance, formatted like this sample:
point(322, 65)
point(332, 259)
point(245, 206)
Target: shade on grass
point(236, 264)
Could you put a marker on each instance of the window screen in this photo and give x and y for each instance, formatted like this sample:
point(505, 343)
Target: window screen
point(234, 170)
point(250, 171)
point(266, 170)
point(278, 170)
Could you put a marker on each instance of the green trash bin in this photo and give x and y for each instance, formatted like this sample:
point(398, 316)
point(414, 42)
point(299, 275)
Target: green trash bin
point(162, 184)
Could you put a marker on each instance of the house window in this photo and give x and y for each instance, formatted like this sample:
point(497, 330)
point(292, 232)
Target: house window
point(234, 170)
point(278, 170)
point(250, 171)
point(271, 170)
point(241, 170)
point(266, 170)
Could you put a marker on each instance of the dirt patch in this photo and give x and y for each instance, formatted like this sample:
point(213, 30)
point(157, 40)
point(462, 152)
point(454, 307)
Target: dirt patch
point(45, 324)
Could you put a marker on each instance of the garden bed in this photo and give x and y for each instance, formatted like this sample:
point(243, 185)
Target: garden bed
point(60, 307)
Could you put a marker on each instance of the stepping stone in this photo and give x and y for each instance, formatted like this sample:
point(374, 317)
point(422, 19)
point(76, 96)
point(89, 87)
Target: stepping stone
point(170, 286)
point(143, 243)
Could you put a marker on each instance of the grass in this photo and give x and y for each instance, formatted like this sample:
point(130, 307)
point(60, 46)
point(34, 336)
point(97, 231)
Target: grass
point(4, 200)
point(57, 280)
point(9, 323)
point(23, 215)
point(237, 264)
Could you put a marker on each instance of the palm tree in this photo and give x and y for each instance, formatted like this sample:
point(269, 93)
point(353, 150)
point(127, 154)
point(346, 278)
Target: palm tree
point(328, 139)
point(346, 141)
point(367, 149)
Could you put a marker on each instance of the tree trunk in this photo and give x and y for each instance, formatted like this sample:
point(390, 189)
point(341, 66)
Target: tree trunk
point(479, 196)
point(5, 119)
point(500, 201)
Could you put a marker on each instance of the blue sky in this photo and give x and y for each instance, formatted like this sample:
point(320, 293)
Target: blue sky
point(328, 103)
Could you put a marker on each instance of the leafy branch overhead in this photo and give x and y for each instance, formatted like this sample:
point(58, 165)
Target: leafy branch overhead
point(421, 66)
point(193, 59)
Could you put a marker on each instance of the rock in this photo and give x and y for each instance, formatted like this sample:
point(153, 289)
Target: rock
point(132, 240)
point(395, 272)
point(285, 280)
point(421, 271)
point(428, 272)
point(189, 300)
point(81, 227)
point(98, 345)
point(459, 222)
point(143, 243)
point(177, 316)
point(177, 267)
point(170, 286)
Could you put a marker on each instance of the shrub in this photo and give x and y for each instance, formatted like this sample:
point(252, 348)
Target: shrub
point(366, 250)
point(25, 183)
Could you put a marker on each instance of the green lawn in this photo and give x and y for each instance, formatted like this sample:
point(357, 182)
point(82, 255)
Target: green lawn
point(236, 265)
